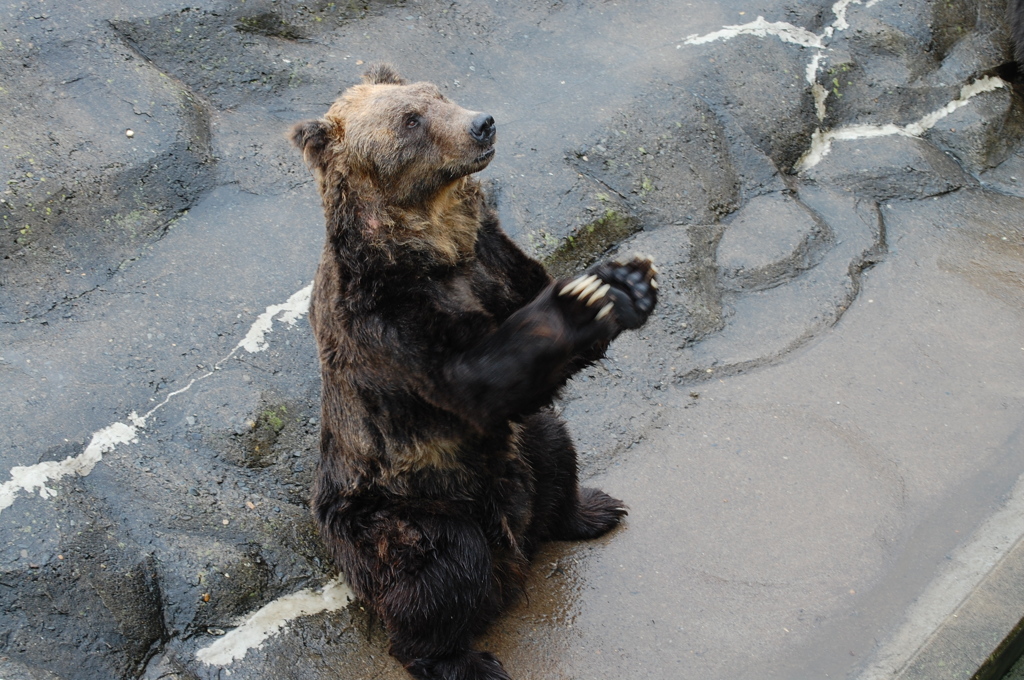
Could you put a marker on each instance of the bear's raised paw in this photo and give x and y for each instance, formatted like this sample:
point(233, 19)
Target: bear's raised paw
point(625, 294)
point(634, 288)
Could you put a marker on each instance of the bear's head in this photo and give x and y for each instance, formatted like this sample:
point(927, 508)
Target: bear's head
point(403, 143)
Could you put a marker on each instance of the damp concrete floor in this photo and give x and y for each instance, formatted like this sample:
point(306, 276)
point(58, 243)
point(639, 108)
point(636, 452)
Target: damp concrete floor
point(819, 433)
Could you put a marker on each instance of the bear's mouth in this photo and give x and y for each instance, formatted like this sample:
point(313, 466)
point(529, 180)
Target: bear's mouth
point(468, 167)
point(485, 157)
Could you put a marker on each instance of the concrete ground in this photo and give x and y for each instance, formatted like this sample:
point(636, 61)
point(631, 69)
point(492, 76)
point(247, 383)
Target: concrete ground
point(819, 432)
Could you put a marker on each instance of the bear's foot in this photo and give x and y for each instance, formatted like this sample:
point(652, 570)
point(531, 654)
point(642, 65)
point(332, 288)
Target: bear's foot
point(469, 666)
point(596, 513)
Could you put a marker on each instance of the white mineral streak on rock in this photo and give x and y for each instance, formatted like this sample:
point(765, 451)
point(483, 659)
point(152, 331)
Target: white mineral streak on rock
point(839, 9)
point(821, 140)
point(292, 310)
point(820, 95)
point(761, 28)
point(795, 35)
point(979, 86)
point(254, 629)
point(812, 68)
point(32, 477)
point(819, 92)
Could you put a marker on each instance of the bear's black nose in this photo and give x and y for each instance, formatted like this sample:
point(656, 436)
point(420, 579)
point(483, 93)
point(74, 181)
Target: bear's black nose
point(482, 128)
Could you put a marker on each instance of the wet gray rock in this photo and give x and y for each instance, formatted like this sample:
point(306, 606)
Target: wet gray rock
point(219, 56)
point(898, 64)
point(96, 574)
point(889, 167)
point(772, 238)
point(12, 670)
point(981, 136)
point(971, 57)
point(609, 134)
point(108, 152)
point(873, 75)
point(231, 52)
point(262, 160)
point(776, 112)
point(668, 158)
point(970, 37)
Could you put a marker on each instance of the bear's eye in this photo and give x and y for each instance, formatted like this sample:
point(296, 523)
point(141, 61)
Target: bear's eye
point(412, 121)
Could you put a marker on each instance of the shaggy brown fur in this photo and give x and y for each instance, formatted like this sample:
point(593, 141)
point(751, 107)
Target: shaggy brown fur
point(441, 348)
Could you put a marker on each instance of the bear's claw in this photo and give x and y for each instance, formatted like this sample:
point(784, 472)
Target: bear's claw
point(578, 284)
point(591, 287)
point(625, 292)
point(598, 295)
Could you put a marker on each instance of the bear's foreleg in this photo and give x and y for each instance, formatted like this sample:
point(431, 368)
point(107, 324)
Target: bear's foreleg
point(520, 367)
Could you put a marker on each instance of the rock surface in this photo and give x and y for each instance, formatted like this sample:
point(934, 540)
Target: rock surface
point(824, 407)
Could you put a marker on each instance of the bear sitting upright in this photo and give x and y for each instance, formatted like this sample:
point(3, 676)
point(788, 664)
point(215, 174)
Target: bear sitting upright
point(441, 349)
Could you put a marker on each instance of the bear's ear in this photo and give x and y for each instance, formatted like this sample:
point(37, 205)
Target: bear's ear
point(312, 138)
point(383, 74)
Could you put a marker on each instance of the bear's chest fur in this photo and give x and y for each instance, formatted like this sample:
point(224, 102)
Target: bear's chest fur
point(381, 337)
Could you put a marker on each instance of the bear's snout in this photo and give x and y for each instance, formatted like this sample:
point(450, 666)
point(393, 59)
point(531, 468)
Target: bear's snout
point(482, 129)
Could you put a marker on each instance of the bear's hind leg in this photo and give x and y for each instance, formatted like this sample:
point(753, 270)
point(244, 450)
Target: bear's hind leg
point(431, 597)
point(595, 513)
point(468, 666)
point(564, 511)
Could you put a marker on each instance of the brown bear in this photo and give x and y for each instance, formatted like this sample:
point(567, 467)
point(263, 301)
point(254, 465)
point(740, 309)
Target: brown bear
point(441, 349)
